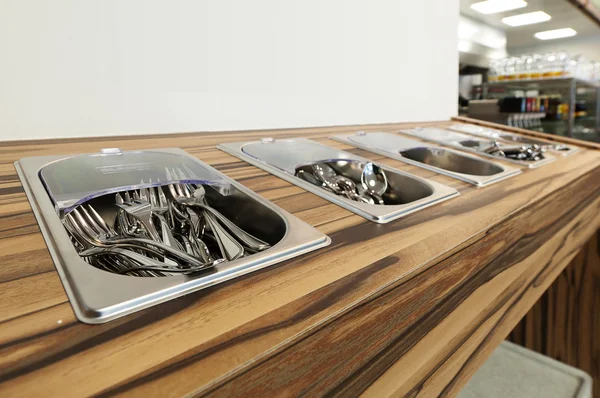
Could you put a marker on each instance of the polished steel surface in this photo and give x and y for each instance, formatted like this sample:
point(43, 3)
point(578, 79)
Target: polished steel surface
point(98, 296)
point(399, 189)
point(561, 149)
point(478, 145)
point(293, 160)
point(374, 181)
point(451, 161)
point(459, 165)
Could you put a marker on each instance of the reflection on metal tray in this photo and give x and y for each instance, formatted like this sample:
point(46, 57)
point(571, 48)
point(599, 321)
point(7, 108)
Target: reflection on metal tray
point(291, 158)
point(82, 192)
point(562, 149)
point(452, 163)
point(474, 144)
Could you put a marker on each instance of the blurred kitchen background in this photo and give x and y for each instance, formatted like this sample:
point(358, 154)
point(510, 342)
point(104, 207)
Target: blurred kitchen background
point(533, 64)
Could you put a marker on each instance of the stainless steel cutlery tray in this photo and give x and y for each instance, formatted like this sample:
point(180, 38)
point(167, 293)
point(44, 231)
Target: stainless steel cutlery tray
point(452, 163)
point(287, 158)
point(74, 193)
point(473, 144)
point(560, 149)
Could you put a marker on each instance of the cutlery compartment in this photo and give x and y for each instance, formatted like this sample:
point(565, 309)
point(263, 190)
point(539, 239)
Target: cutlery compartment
point(247, 214)
point(455, 164)
point(293, 160)
point(562, 149)
point(450, 161)
point(506, 151)
point(401, 189)
point(60, 187)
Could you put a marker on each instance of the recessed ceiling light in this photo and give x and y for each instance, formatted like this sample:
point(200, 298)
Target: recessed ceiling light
point(527, 19)
point(555, 34)
point(495, 6)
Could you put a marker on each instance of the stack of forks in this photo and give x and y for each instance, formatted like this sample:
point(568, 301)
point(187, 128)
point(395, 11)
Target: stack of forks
point(155, 234)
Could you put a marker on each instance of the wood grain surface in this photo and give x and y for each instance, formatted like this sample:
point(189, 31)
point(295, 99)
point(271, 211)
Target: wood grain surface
point(407, 308)
point(564, 324)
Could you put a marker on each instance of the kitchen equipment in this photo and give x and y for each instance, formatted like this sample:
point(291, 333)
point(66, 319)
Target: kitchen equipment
point(484, 146)
point(452, 163)
point(80, 200)
point(294, 160)
point(555, 147)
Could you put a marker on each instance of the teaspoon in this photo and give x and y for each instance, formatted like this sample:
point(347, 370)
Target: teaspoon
point(373, 179)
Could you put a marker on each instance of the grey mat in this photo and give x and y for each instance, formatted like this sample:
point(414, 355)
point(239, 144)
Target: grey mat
point(514, 371)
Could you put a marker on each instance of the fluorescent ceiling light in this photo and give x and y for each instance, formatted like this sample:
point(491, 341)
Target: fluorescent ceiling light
point(496, 6)
point(555, 34)
point(527, 19)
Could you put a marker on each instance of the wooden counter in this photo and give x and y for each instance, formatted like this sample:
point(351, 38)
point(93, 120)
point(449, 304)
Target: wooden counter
point(412, 307)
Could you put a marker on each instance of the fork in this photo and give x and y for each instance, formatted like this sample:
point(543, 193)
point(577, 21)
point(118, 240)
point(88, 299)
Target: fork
point(199, 194)
point(144, 262)
point(105, 237)
point(247, 239)
point(228, 246)
point(140, 211)
point(148, 195)
point(196, 197)
point(86, 247)
point(160, 206)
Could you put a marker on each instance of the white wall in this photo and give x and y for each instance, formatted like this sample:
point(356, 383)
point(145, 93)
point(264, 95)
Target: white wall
point(587, 45)
point(102, 67)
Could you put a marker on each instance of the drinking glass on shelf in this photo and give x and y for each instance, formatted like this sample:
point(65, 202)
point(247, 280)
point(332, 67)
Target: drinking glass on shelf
point(519, 72)
point(562, 62)
point(549, 65)
point(582, 67)
point(493, 71)
point(537, 66)
point(511, 68)
point(526, 67)
point(501, 69)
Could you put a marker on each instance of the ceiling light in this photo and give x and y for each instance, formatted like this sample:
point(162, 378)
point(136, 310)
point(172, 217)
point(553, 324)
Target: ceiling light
point(527, 19)
point(555, 34)
point(496, 6)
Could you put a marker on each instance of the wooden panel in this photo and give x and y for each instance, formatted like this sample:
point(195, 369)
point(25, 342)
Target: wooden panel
point(432, 292)
point(588, 8)
point(437, 313)
point(564, 324)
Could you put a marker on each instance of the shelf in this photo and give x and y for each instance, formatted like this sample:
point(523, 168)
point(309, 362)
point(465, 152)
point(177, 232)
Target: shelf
point(533, 83)
point(570, 90)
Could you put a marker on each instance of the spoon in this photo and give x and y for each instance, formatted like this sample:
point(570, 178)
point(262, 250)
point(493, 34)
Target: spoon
point(306, 176)
point(347, 186)
point(364, 195)
point(326, 175)
point(373, 179)
point(350, 189)
point(345, 183)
